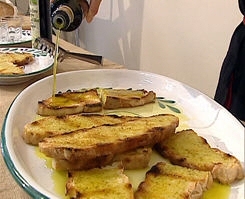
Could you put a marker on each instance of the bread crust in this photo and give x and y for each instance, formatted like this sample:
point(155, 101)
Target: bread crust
point(136, 159)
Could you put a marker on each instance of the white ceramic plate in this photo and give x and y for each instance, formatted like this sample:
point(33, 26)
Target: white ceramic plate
point(26, 37)
point(204, 115)
point(41, 64)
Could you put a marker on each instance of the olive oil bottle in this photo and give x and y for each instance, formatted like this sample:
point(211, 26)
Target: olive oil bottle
point(66, 15)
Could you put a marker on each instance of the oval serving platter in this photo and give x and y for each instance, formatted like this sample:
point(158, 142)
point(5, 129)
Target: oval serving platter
point(202, 114)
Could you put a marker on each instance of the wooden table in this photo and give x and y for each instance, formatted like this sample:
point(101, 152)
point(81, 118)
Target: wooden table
point(8, 187)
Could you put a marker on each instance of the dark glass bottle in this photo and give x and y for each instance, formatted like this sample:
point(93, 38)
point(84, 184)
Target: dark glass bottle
point(40, 19)
point(66, 15)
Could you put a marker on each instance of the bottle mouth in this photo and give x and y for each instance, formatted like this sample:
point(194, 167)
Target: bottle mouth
point(60, 22)
point(62, 18)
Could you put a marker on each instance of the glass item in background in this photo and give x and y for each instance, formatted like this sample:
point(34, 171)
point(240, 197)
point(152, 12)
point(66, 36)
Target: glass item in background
point(14, 24)
point(40, 19)
point(3, 31)
point(25, 37)
point(66, 15)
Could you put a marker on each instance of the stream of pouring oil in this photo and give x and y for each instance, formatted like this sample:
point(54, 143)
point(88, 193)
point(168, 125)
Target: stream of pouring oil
point(56, 62)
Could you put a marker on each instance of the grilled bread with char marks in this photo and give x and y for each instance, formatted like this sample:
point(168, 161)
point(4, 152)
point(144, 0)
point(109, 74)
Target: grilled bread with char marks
point(70, 102)
point(50, 126)
point(109, 139)
point(165, 181)
point(99, 183)
point(187, 149)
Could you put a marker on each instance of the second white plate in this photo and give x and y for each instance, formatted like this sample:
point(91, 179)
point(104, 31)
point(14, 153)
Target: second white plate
point(41, 64)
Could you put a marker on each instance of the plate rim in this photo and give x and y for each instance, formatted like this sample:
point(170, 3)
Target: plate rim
point(19, 178)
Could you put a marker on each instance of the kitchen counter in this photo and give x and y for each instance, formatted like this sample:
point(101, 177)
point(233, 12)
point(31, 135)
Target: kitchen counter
point(8, 187)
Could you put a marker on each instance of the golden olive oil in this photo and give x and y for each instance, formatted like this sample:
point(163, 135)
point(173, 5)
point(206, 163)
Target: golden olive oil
point(59, 177)
point(56, 54)
point(217, 191)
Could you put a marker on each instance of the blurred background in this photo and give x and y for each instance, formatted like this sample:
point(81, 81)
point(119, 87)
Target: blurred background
point(183, 39)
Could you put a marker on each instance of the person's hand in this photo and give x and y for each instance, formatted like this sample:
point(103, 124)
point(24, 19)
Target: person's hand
point(90, 9)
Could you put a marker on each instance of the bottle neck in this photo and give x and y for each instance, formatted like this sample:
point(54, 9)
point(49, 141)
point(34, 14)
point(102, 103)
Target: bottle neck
point(62, 17)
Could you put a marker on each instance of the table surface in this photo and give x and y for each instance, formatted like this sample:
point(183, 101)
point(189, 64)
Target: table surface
point(8, 187)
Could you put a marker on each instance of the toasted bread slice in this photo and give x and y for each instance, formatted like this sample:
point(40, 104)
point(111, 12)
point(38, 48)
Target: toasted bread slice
point(164, 181)
point(17, 58)
point(123, 98)
point(70, 102)
point(22, 59)
point(104, 183)
point(187, 149)
point(110, 139)
point(50, 126)
point(204, 178)
point(8, 68)
point(136, 159)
